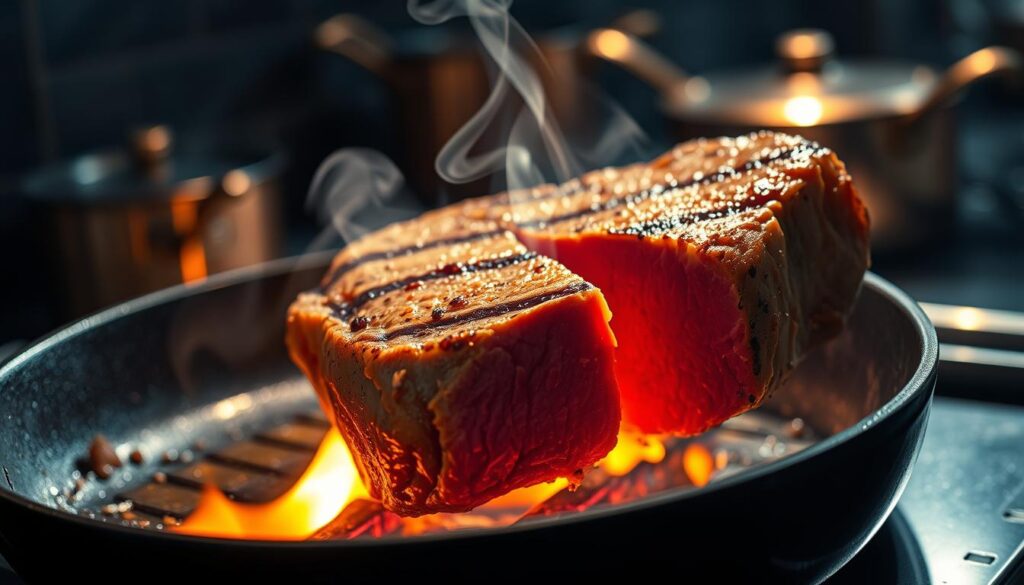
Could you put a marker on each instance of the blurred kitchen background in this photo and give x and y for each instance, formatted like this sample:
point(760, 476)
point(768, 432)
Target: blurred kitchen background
point(147, 142)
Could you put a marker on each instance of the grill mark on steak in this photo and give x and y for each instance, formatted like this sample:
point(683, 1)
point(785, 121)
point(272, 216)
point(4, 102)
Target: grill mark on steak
point(342, 269)
point(482, 313)
point(344, 309)
point(667, 223)
point(658, 225)
point(806, 149)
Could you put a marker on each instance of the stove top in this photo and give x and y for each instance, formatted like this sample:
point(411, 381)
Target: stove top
point(961, 519)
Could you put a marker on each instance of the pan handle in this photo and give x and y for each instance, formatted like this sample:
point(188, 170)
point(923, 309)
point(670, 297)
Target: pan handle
point(965, 72)
point(357, 40)
point(637, 57)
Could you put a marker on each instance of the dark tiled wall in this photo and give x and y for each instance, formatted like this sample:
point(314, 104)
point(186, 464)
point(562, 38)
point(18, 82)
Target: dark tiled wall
point(79, 74)
point(103, 66)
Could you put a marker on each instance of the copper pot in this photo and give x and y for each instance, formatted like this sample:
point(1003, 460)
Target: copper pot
point(439, 80)
point(889, 120)
point(124, 222)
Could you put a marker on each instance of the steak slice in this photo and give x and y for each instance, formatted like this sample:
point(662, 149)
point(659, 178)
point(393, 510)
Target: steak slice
point(457, 364)
point(722, 262)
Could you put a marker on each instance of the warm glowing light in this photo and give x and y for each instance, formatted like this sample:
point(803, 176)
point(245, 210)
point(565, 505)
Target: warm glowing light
point(527, 496)
point(803, 46)
point(803, 83)
point(193, 260)
point(983, 62)
point(154, 140)
point(803, 110)
point(612, 44)
point(630, 451)
point(229, 407)
point(698, 464)
point(185, 219)
point(968, 318)
point(329, 483)
point(236, 183)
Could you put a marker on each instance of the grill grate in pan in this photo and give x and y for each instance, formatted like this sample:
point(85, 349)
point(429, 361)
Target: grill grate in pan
point(264, 466)
point(254, 470)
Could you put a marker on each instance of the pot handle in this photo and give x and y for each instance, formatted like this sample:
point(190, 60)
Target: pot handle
point(641, 23)
point(637, 57)
point(974, 67)
point(357, 40)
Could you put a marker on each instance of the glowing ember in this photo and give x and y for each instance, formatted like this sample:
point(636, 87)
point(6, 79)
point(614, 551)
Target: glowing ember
point(330, 482)
point(698, 464)
point(527, 496)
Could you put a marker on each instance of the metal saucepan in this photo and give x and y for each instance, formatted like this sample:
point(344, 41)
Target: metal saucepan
point(125, 222)
point(121, 373)
point(439, 79)
point(889, 119)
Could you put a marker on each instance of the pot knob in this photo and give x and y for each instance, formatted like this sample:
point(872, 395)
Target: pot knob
point(152, 145)
point(806, 49)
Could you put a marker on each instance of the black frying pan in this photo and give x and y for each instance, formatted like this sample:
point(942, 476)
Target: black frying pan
point(147, 371)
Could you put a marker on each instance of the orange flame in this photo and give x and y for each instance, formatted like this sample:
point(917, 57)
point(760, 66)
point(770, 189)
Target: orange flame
point(631, 450)
point(331, 482)
point(527, 496)
point(328, 484)
point(698, 464)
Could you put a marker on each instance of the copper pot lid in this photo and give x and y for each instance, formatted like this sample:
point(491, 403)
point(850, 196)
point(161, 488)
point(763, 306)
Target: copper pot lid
point(151, 169)
point(807, 86)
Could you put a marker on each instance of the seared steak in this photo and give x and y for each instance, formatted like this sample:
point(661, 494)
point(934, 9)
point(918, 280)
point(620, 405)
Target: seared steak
point(461, 361)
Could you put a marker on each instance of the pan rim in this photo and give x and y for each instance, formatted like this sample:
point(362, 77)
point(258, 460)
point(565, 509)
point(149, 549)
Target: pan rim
point(919, 382)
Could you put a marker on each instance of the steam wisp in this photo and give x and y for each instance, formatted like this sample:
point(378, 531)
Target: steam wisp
point(357, 190)
point(536, 150)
